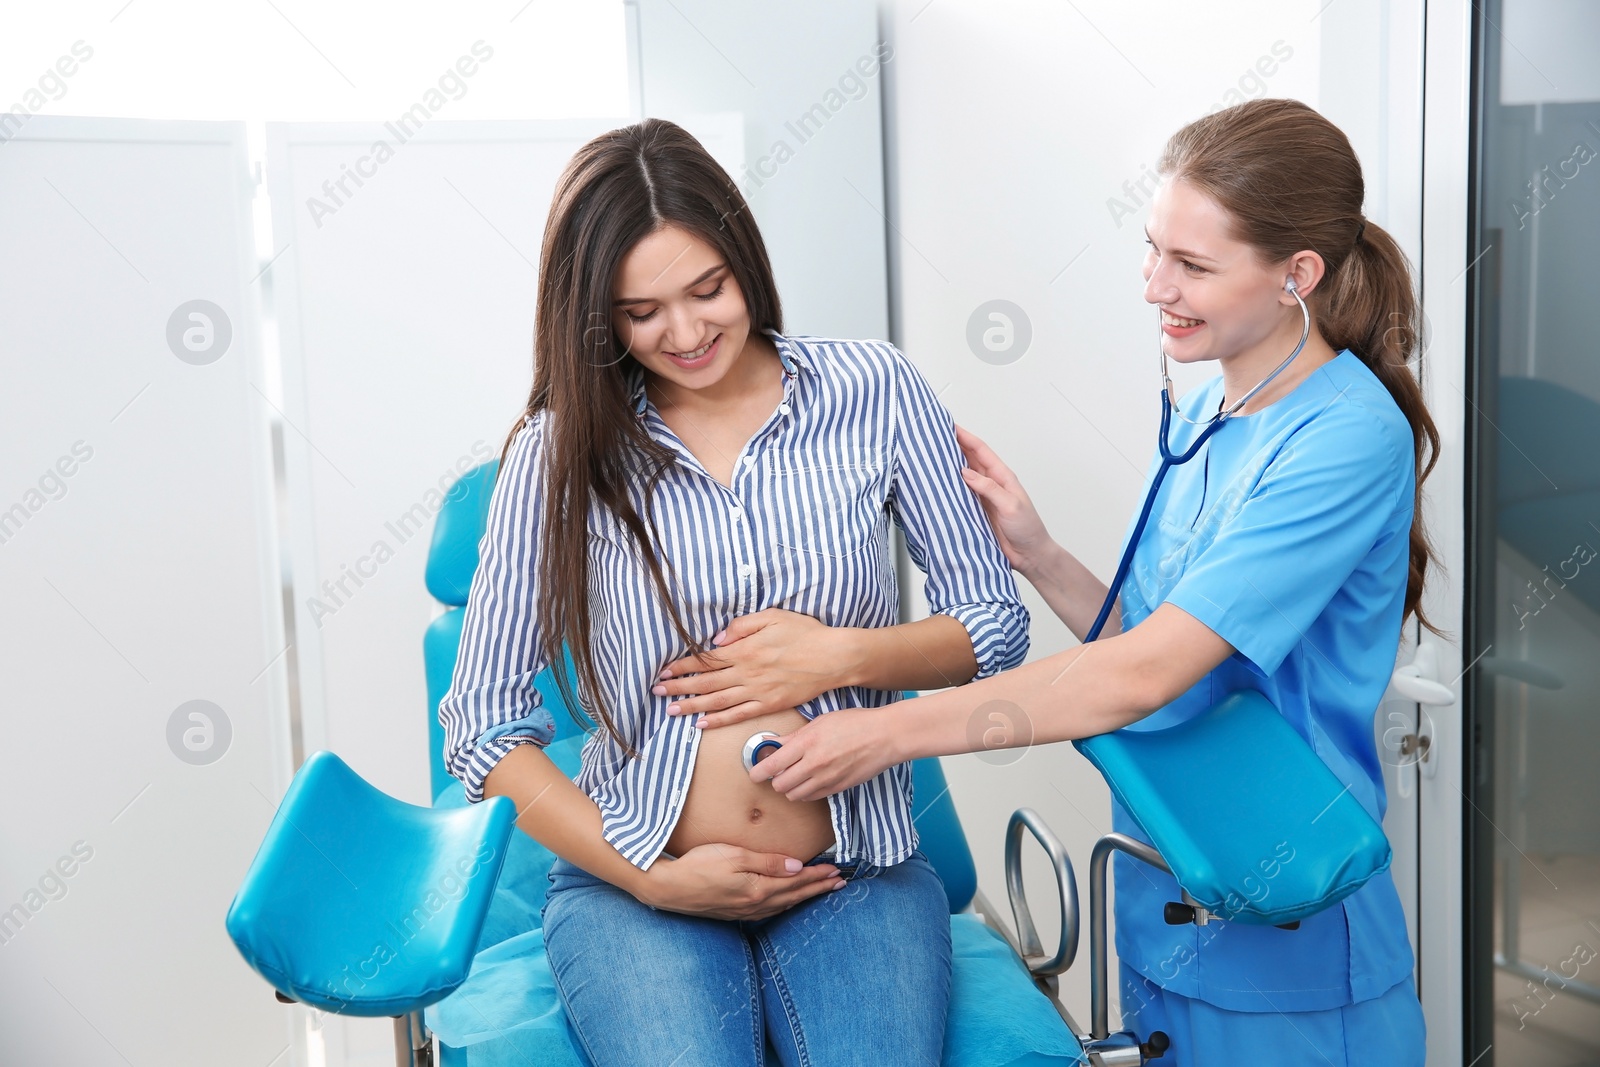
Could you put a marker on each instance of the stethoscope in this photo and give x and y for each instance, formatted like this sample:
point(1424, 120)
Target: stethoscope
point(763, 744)
point(1169, 405)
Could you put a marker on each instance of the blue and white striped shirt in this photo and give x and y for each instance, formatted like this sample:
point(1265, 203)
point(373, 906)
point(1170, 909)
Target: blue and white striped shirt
point(859, 438)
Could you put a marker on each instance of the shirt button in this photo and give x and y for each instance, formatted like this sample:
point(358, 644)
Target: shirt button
point(749, 461)
point(783, 409)
point(746, 570)
point(736, 514)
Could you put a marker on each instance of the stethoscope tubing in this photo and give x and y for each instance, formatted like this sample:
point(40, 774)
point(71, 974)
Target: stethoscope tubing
point(1168, 461)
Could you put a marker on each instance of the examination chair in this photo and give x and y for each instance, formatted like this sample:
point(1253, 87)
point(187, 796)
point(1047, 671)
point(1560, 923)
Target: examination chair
point(360, 904)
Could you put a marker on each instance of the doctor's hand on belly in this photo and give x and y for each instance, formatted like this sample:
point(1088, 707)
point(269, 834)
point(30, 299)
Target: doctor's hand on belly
point(726, 817)
point(738, 850)
point(827, 755)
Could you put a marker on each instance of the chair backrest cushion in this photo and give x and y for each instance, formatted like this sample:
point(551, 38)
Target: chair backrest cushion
point(457, 529)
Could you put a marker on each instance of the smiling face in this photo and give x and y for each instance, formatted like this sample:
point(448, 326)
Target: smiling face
point(1217, 299)
point(678, 310)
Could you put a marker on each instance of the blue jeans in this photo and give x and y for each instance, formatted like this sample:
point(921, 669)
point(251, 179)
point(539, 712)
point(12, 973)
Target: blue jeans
point(859, 975)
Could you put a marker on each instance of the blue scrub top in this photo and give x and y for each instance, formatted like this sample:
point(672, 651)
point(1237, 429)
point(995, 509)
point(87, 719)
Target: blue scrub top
point(1288, 535)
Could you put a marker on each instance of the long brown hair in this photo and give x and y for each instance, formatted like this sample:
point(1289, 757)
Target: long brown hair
point(1291, 182)
point(618, 188)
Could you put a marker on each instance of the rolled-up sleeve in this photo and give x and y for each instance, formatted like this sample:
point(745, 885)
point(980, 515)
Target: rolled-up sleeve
point(492, 705)
point(947, 534)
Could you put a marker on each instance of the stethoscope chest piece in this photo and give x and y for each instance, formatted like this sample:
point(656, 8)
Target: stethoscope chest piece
point(760, 746)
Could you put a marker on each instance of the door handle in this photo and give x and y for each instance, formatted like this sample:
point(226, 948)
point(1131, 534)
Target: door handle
point(1419, 681)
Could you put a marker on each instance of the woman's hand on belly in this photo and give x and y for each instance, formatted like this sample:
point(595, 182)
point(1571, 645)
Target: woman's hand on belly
point(717, 881)
point(723, 806)
point(765, 662)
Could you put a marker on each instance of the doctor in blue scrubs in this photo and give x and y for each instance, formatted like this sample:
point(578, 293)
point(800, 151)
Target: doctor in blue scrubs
point(1283, 558)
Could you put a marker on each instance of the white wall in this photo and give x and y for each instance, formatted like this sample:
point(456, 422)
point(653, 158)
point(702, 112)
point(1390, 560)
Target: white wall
point(807, 79)
point(194, 59)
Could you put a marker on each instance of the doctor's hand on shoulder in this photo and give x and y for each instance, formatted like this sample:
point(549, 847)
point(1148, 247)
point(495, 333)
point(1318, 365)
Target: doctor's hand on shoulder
point(1010, 510)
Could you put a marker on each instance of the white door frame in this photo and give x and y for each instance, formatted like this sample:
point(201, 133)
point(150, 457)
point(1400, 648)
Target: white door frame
point(1447, 113)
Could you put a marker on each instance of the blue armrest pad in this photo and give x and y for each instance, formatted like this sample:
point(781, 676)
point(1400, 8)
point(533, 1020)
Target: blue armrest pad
point(1227, 796)
point(329, 916)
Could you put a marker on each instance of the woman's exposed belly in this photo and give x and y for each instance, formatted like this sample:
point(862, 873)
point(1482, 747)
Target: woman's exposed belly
point(724, 806)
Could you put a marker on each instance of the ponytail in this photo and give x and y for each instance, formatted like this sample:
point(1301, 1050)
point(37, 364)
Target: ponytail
point(1243, 158)
point(1370, 309)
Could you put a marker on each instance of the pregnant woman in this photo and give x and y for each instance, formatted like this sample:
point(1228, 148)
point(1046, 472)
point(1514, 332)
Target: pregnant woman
point(682, 463)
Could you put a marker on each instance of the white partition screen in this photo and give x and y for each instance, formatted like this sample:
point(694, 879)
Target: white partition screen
point(142, 640)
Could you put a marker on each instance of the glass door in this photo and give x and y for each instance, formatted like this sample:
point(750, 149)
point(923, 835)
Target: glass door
point(1532, 700)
